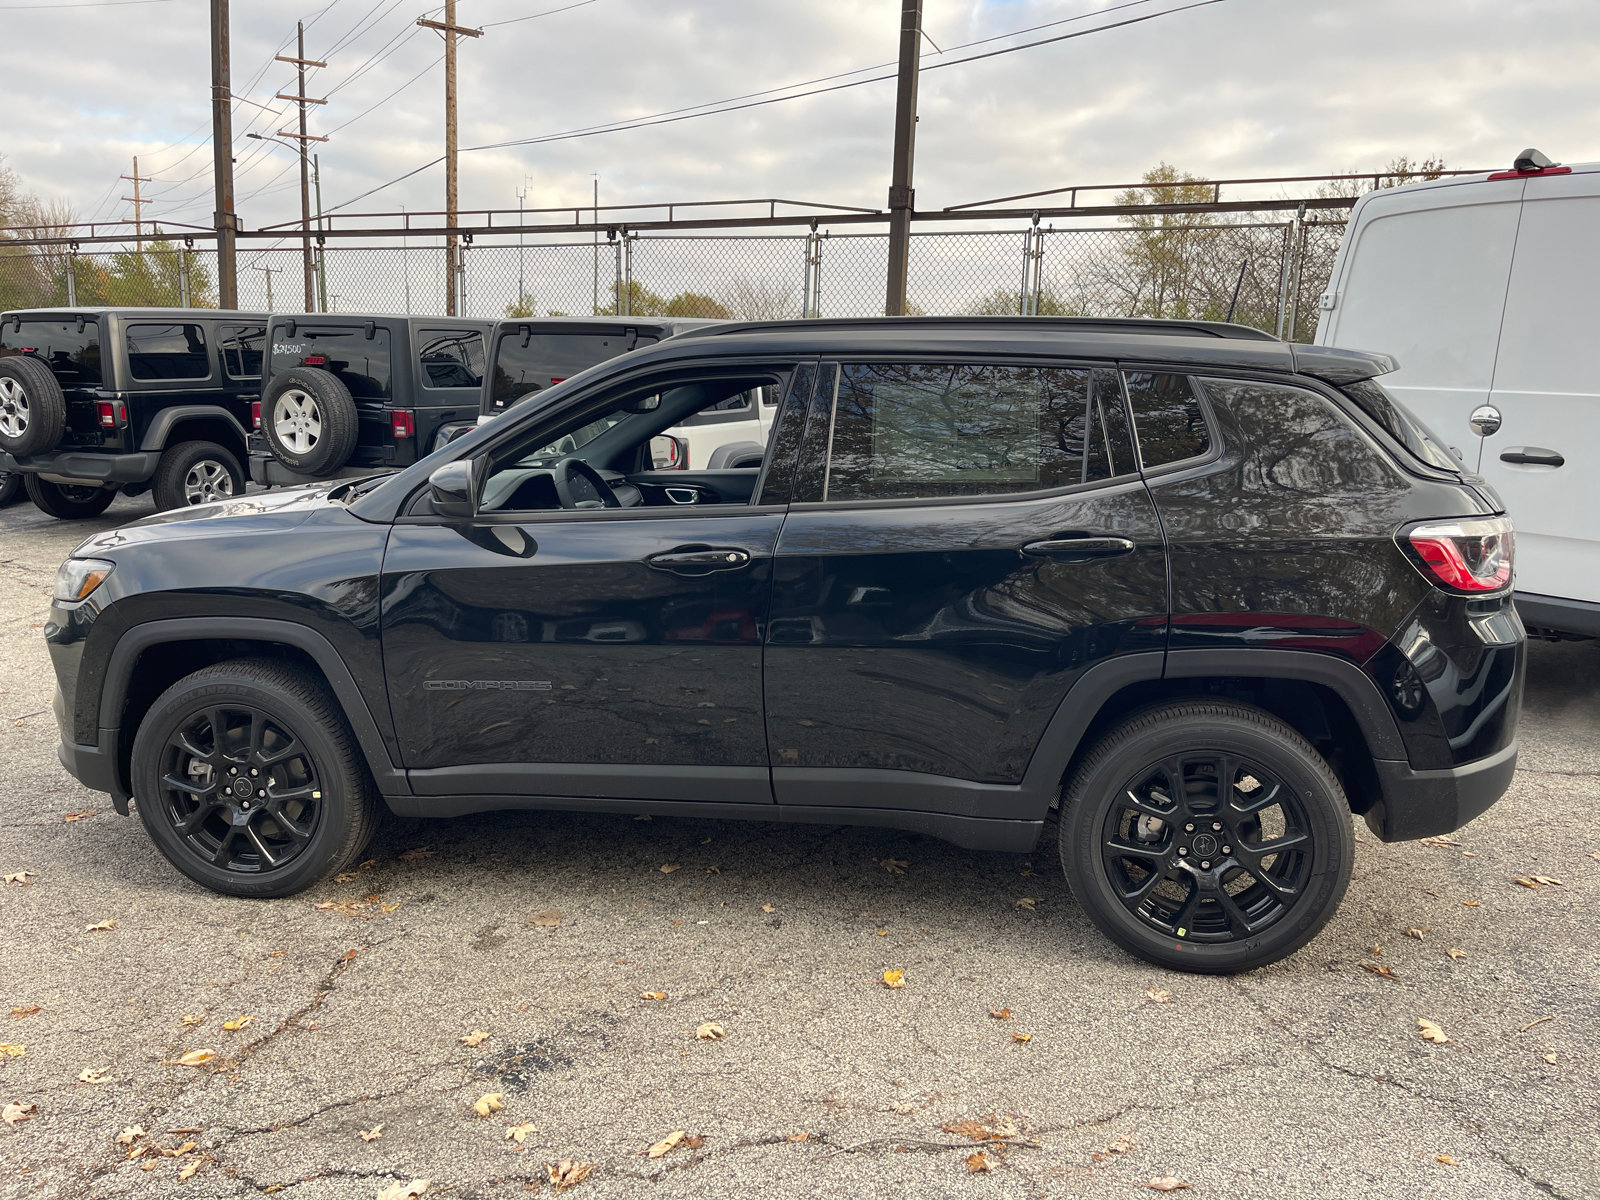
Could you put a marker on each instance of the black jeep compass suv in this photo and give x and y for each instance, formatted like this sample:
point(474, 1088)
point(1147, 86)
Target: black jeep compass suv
point(1208, 592)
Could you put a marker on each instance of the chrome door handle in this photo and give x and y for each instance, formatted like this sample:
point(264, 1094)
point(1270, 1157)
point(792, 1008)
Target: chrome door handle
point(700, 560)
point(1534, 456)
point(1084, 547)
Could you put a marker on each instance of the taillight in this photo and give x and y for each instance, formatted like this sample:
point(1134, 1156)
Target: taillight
point(403, 422)
point(314, 360)
point(1469, 556)
point(255, 414)
point(108, 414)
point(554, 380)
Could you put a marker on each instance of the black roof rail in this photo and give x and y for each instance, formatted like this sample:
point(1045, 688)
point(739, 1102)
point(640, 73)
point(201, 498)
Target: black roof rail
point(1128, 325)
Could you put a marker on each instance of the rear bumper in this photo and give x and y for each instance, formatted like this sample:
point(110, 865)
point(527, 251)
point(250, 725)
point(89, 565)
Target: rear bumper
point(1564, 616)
point(1419, 804)
point(85, 466)
point(269, 472)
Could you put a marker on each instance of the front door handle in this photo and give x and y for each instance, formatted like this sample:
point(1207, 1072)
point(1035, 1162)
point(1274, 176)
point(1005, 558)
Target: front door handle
point(1533, 455)
point(1084, 547)
point(700, 560)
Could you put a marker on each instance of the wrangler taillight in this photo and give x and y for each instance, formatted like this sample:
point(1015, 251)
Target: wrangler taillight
point(402, 422)
point(108, 414)
point(1466, 556)
point(255, 414)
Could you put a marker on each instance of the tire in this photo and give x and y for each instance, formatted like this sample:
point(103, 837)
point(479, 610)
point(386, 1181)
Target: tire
point(69, 501)
point(309, 420)
point(196, 473)
point(1202, 897)
point(33, 412)
point(10, 486)
point(313, 815)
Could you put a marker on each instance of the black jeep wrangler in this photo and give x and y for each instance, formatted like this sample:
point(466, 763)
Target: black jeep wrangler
point(1208, 592)
point(349, 395)
point(97, 401)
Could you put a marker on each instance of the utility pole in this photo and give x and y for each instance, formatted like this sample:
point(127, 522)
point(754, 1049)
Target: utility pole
point(902, 196)
point(452, 247)
point(301, 62)
point(269, 271)
point(138, 204)
point(597, 244)
point(322, 265)
point(224, 219)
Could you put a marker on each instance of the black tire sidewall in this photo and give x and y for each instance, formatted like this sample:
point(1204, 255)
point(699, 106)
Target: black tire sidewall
point(47, 407)
point(1278, 749)
point(10, 485)
point(48, 497)
point(176, 462)
point(340, 421)
point(342, 784)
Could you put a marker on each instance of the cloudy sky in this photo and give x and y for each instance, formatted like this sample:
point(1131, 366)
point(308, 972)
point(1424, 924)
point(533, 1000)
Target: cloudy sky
point(1235, 88)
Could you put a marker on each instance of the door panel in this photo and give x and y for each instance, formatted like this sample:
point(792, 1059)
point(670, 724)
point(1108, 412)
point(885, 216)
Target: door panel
point(518, 650)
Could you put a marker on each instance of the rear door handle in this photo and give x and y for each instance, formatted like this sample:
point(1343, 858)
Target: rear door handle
point(700, 560)
point(1084, 547)
point(1533, 455)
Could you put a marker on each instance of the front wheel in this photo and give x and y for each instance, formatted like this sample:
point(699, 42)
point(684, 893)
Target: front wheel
point(1206, 836)
point(248, 779)
point(69, 501)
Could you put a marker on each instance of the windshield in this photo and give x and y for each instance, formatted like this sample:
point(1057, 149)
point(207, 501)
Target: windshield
point(1402, 424)
point(526, 362)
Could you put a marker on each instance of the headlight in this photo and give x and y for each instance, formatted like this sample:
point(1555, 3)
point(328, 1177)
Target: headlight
point(78, 577)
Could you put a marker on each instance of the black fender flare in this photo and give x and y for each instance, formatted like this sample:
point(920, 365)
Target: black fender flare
point(155, 438)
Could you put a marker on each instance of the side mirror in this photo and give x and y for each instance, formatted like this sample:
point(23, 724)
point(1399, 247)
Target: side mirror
point(1485, 420)
point(453, 488)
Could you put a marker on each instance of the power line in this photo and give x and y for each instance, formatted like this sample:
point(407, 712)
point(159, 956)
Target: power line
point(534, 16)
point(85, 4)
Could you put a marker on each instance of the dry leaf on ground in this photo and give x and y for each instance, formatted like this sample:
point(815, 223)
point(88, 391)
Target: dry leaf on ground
point(7, 1050)
point(1417, 931)
point(22, 878)
point(767, 908)
point(1551, 1059)
point(1454, 953)
point(177, 1152)
point(100, 926)
point(1380, 970)
point(1000, 1014)
point(519, 1133)
point(420, 852)
point(978, 1163)
point(666, 1144)
point(895, 978)
point(1158, 997)
point(405, 1191)
point(488, 1103)
point(1429, 1032)
point(237, 1024)
point(195, 1058)
point(16, 1112)
point(652, 995)
point(476, 1038)
point(83, 814)
point(1166, 1183)
point(373, 1134)
point(711, 1031)
point(22, 1010)
point(895, 866)
point(190, 1169)
point(191, 1019)
point(1537, 881)
point(797, 1137)
point(1122, 1145)
point(1021, 1037)
point(548, 919)
point(130, 1135)
point(1440, 841)
point(93, 1075)
point(669, 868)
point(1470, 903)
point(1445, 1159)
point(568, 1173)
point(1029, 902)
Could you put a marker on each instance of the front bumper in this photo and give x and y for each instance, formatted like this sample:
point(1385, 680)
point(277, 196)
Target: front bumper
point(85, 466)
point(1419, 804)
point(96, 767)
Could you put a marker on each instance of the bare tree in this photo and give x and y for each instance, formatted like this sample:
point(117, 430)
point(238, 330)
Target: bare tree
point(750, 300)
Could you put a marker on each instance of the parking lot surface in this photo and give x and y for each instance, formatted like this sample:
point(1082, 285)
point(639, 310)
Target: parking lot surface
point(554, 963)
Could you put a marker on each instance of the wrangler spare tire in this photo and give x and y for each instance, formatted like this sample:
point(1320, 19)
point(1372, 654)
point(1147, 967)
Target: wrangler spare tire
point(33, 412)
point(309, 420)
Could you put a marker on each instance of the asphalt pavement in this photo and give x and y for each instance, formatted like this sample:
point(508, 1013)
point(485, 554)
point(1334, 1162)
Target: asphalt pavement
point(731, 1013)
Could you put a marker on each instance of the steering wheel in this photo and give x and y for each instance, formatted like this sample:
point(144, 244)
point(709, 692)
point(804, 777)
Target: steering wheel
point(578, 485)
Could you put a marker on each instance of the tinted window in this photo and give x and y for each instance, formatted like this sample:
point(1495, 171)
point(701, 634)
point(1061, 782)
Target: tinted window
point(528, 362)
point(73, 356)
point(1167, 414)
point(1401, 424)
point(906, 430)
point(168, 352)
point(360, 362)
point(776, 484)
point(451, 358)
point(242, 350)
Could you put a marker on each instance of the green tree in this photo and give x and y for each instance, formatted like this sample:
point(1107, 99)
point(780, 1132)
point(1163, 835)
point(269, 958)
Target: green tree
point(642, 302)
point(148, 277)
point(522, 306)
point(695, 304)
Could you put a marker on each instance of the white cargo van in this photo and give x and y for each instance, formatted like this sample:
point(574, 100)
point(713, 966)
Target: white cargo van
point(1484, 287)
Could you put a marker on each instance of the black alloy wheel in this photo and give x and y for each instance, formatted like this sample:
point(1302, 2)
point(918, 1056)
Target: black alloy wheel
point(248, 779)
point(1206, 836)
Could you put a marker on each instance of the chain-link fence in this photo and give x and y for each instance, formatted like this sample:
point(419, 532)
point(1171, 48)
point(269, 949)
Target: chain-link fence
point(1192, 266)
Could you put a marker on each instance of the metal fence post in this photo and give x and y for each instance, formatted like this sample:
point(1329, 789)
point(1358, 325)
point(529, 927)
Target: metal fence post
point(620, 304)
point(183, 277)
point(1301, 232)
point(627, 271)
point(1283, 277)
point(72, 276)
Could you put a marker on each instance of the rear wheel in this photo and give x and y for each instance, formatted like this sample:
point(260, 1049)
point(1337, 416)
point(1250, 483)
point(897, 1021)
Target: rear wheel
point(33, 412)
point(1206, 836)
point(196, 473)
point(69, 501)
point(249, 782)
point(10, 486)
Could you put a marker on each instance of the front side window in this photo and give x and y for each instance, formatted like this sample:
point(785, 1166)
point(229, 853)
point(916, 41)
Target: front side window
point(526, 362)
point(359, 361)
point(451, 358)
point(71, 350)
point(168, 352)
point(242, 349)
point(1168, 418)
point(923, 430)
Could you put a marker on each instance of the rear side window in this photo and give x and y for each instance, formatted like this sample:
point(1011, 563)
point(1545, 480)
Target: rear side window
point(451, 358)
point(362, 363)
point(168, 352)
point(72, 354)
point(1400, 423)
point(526, 362)
point(1168, 418)
point(242, 349)
point(915, 430)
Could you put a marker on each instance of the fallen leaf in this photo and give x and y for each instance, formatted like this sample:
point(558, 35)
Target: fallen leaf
point(190, 1168)
point(348, 956)
point(548, 919)
point(149, 1166)
point(711, 1032)
point(1469, 854)
point(1166, 1183)
point(405, 1191)
point(1537, 881)
point(669, 868)
point(767, 908)
point(519, 1133)
point(83, 814)
point(1377, 951)
point(389, 908)
point(9, 1051)
point(1440, 841)
point(195, 1058)
point(100, 926)
point(237, 1024)
point(373, 1134)
point(1162, 997)
point(16, 1111)
point(1415, 932)
point(901, 1107)
point(713, 870)
point(883, 933)
point(488, 1103)
point(895, 866)
point(22, 878)
point(666, 1144)
point(93, 1075)
point(1445, 1159)
point(1029, 903)
point(1380, 970)
point(178, 1152)
point(24, 1011)
point(652, 995)
point(191, 1019)
point(568, 1173)
point(1021, 1037)
point(978, 1163)
point(1470, 903)
point(695, 1141)
point(1454, 953)
point(130, 1135)
point(1122, 1145)
point(345, 877)
point(1000, 1014)
point(476, 1038)
point(797, 1137)
point(895, 978)
point(414, 855)
point(1429, 1032)
point(368, 865)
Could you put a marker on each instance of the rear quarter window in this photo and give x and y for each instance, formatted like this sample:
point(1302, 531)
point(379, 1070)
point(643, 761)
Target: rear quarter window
point(168, 352)
point(1400, 423)
point(1168, 418)
point(451, 358)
